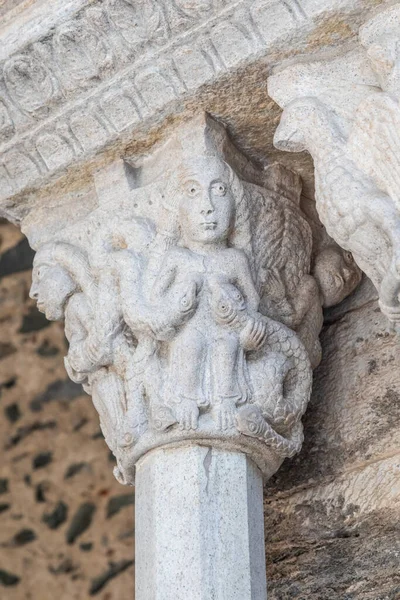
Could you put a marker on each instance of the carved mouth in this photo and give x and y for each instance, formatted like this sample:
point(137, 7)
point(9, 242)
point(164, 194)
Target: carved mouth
point(210, 225)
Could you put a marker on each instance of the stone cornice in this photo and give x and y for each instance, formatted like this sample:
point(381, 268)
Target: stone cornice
point(108, 69)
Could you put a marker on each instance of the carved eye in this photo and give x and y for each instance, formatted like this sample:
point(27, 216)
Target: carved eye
point(193, 188)
point(219, 188)
point(348, 257)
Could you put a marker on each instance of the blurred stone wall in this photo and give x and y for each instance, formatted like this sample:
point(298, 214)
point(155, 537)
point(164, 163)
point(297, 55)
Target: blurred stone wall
point(8, 5)
point(66, 525)
point(332, 514)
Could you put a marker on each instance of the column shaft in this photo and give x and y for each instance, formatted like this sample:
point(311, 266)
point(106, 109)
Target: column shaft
point(199, 526)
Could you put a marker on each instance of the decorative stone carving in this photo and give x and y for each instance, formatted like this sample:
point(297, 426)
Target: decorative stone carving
point(29, 82)
point(194, 8)
point(75, 59)
point(81, 54)
point(138, 22)
point(351, 130)
point(333, 268)
point(6, 123)
point(181, 292)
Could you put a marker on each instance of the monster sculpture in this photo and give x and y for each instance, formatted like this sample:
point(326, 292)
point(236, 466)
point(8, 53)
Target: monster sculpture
point(189, 306)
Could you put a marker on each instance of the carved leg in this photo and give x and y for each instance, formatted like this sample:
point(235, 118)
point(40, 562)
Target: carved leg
point(226, 390)
point(109, 400)
point(187, 367)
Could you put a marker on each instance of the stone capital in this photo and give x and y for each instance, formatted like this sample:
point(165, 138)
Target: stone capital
point(190, 307)
point(344, 110)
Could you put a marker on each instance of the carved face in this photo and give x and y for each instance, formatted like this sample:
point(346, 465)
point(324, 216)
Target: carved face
point(207, 207)
point(337, 274)
point(51, 286)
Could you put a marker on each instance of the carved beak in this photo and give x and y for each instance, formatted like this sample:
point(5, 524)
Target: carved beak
point(288, 138)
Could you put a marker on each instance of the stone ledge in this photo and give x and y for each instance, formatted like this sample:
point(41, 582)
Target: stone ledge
point(89, 81)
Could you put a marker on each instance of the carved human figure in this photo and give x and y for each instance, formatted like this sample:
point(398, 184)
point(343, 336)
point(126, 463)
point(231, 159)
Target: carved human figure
point(63, 287)
point(206, 358)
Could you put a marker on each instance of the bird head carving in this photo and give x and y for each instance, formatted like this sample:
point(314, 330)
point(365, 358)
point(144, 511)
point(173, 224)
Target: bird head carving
point(301, 121)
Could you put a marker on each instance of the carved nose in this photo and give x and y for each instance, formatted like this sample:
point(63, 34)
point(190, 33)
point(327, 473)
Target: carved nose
point(33, 293)
point(207, 207)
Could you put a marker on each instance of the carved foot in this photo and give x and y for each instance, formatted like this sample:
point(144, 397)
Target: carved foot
point(225, 414)
point(187, 413)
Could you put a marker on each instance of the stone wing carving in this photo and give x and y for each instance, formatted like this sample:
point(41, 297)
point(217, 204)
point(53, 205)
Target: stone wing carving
point(356, 210)
point(353, 137)
point(374, 143)
point(281, 247)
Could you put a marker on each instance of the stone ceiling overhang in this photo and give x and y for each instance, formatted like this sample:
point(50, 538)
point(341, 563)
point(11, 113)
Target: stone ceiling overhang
point(86, 80)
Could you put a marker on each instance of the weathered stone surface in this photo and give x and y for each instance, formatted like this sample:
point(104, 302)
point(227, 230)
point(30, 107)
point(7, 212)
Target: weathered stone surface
point(46, 567)
point(189, 304)
point(331, 517)
point(85, 85)
point(332, 514)
point(344, 110)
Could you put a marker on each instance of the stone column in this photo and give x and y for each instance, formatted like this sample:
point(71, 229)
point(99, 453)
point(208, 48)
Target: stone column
point(189, 278)
point(199, 526)
point(192, 314)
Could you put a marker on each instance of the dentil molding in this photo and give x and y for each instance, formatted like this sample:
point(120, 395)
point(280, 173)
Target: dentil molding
point(83, 76)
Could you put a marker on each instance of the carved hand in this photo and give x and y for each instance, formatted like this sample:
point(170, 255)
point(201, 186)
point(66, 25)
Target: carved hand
point(253, 335)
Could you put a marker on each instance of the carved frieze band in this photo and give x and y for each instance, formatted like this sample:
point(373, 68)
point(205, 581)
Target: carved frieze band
point(117, 63)
point(345, 111)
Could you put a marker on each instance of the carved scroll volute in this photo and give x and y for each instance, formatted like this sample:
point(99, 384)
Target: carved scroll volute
point(182, 293)
point(352, 130)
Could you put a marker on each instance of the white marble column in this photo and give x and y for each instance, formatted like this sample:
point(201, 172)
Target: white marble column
point(199, 526)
